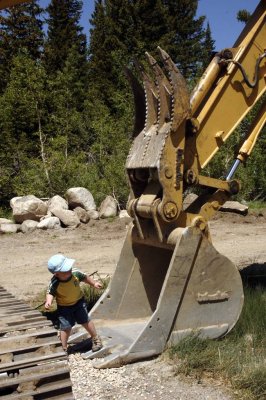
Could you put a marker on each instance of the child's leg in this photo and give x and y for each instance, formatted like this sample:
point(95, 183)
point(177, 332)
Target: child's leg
point(64, 335)
point(66, 321)
point(96, 340)
point(90, 328)
point(83, 319)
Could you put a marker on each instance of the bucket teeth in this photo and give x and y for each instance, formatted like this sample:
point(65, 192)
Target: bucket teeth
point(139, 101)
point(166, 107)
point(164, 90)
point(152, 101)
point(180, 107)
point(164, 99)
point(151, 97)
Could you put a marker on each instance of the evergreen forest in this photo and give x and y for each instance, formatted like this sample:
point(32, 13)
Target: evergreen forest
point(66, 106)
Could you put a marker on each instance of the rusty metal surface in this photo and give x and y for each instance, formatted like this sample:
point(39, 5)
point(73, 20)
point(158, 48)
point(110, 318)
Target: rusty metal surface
point(32, 362)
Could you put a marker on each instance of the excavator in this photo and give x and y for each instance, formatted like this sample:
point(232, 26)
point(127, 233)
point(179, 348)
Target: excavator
point(170, 281)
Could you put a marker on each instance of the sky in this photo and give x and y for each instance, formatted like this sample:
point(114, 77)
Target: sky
point(221, 15)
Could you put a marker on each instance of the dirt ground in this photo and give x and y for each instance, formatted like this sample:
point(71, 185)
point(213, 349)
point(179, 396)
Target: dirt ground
point(96, 247)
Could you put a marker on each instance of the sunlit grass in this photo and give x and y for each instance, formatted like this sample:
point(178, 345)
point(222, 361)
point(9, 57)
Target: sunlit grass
point(239, 358)
point(256, 205)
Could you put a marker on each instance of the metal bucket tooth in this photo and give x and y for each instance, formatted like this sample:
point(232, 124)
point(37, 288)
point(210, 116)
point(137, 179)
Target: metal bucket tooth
point(139, 102)
point(147, 109)
point(166, 107)
point(152, 101)
point(180, 95)
point(164, 91)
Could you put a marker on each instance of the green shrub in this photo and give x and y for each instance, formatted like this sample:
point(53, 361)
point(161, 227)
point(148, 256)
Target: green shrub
point(257, 205)
point(91, 294)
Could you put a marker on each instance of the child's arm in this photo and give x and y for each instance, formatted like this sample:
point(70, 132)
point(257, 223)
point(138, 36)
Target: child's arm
point(92, 282)
point(49, 300)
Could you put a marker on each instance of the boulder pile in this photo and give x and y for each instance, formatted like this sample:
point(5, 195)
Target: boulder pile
point(78, 207)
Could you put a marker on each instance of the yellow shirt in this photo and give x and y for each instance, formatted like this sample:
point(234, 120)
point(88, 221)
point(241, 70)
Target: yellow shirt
point(67, 293)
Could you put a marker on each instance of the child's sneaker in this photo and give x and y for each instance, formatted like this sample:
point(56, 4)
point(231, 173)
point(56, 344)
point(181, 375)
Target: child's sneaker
point(96, 343)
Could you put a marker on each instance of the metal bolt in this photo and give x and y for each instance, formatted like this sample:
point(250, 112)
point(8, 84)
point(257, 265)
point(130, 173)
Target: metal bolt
point(170, 210)
point(199, 223)
point(215, 204)
point(168, 172)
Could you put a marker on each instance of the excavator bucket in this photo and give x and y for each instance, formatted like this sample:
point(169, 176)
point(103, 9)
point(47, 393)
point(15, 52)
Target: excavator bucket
point(160, 294)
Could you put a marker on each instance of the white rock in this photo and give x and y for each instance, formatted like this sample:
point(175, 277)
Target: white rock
point(8, 228)
point(82, 214)
point(235, 206)
point(28, 207)
point(57, 202)
point(67, 217)
point(13, 200)
point(6, 221)
point(28, 226)
point(80, 197)
point(48, 215)
point(125, 217)
point(93, 214)
point(49, 223)
point(108, 208)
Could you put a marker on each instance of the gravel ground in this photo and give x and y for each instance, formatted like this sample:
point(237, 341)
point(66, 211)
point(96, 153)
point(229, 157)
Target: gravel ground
point(153, 379)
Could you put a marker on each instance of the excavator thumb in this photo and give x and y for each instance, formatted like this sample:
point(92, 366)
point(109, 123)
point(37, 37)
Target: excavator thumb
point(159, 294)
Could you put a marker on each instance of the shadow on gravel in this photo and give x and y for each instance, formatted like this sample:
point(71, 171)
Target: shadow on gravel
point(80, 347)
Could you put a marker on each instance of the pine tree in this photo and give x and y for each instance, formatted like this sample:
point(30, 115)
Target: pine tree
point(64, 33)
point(66, 93)
point(100, 59)
point(129, 28)
point(23, 112)
point(185, 36)
point(20, 30)
point(243, 16)
point(124, 30)
point(151, 25)
point(208, 46)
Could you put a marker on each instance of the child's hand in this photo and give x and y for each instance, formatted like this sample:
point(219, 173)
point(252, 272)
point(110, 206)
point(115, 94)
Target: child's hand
point(98, 285)
point(47, 305)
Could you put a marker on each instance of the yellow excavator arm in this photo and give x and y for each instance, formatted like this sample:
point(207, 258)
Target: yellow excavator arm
point(181, 135)
point(170, 281)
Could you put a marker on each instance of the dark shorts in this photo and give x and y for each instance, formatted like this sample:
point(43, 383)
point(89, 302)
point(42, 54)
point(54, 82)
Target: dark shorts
point(69, 315)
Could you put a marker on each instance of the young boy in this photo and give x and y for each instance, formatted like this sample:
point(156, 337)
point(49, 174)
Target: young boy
point(71, 306)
